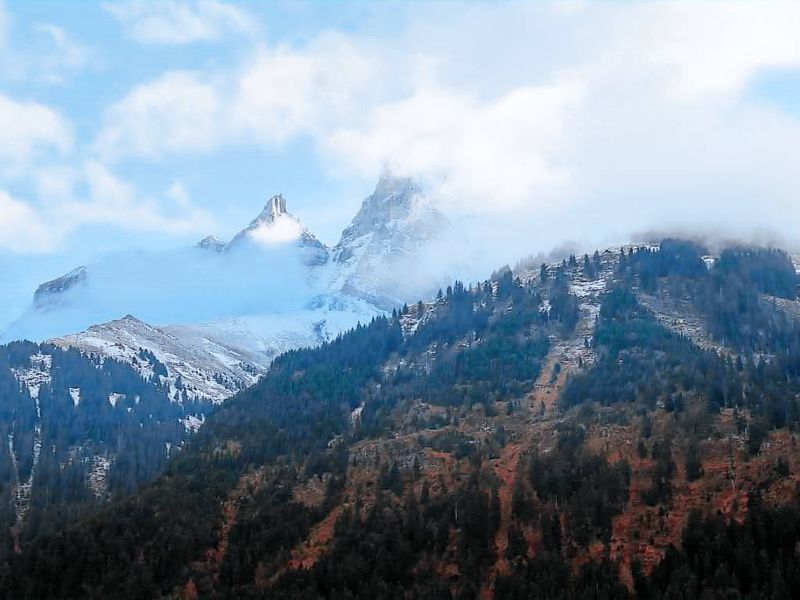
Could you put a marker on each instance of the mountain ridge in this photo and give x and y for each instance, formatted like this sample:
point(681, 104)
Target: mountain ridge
point(539, 434)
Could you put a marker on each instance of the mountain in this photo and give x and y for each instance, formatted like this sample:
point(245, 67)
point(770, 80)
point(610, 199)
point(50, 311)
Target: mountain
point(387, 237)
point(191, 368)
point(275, 225)
point(614, 426)
point(79, 431)
point(48, 294)
point(217, 314)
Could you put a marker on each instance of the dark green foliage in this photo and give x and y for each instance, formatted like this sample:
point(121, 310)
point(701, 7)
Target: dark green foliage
point(694, 465)
point(588, 490)
point(663, 470)
point(676, 258)
point(757, 559)
point(642, 361)
point(76, 432)
point(488, 343)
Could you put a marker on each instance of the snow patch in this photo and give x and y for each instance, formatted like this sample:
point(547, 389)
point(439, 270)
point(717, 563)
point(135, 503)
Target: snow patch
point(192, 423)
point(97, 479)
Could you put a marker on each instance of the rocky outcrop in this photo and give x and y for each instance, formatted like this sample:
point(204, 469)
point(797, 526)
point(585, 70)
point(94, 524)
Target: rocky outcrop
point(50, 293)
point(211, 242)
point(275, 225)
point(384, 239)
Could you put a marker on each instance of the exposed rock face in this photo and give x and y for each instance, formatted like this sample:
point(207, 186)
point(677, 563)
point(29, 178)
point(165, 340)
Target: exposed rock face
point(275, 225)
point(388, 233)
point(211, 242)
point(50, 293)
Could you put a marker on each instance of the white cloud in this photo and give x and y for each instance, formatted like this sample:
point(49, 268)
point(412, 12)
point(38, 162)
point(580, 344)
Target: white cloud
point(60, 55)
point(174, 22)
point(583, 120)
point(710, 49)
point(50, 57)
point(22, 228)
point(286, 92)
point(113, 201)
point(28, 129)
point(276, 95)
point(502, 150)
point(91, 195)
point(177, 112)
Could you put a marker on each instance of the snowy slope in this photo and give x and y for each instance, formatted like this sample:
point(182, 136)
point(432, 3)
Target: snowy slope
point(215, 315)
point(381, 255)
point(195, 368)
point(215, 359)
point(272, 266)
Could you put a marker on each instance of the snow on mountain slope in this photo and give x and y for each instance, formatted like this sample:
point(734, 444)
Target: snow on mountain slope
point(272, 266)
point(213, 360)
point(381, 254)
point(260, 338)
point(275, 225)
point(215, 315)
point(188, 368)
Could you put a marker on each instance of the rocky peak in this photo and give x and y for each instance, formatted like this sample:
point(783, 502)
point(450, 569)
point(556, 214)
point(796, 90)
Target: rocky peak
point(275, 215)
point(211, 242)
point(50, 293)
point(392, 201)
point(392, 227)
point(274, 208)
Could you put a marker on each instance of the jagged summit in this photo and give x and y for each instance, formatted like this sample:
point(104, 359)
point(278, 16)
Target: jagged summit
point(211, 242)
point(389, 231)
point(274, 225)
point(393, 201)
point(273, 210)
point(50, 293)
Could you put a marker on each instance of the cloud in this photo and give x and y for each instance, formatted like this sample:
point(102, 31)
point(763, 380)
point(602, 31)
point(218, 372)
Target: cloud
point(60, 55)
point(286, 92)
point(91, 195)
point(22, 229)
point(172, 22)
point(275, 95)
point(29, 129)
point(49, 56)
point(178, 112)
point(709, 50)
point(584, 121)
point(504, 149)
point(110, 200)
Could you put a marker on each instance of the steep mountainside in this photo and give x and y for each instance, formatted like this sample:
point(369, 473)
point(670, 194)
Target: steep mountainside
point(78, 432)
point(216, 315)
point(557, 434)
point(387, 238)
point(193, 369)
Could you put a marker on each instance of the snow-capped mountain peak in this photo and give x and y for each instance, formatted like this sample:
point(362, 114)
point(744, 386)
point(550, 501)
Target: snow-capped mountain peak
point(188, 369)
point(216, 315)
point(49, 294)
point(386, 237)
point(211, 242)
point(275, 207)
point(275, 226)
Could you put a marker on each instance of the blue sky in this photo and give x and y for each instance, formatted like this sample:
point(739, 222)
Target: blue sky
point(149, 124)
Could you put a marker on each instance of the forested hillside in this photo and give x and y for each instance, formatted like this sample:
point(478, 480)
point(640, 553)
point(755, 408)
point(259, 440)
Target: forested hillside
point(620, 425)
point(77, 432)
